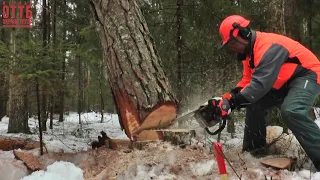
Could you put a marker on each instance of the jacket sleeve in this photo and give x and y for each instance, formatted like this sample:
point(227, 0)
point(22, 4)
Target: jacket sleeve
point(246, 74)
point(269, 58)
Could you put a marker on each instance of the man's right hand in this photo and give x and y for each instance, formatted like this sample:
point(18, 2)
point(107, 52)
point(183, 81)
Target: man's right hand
point(235, 91)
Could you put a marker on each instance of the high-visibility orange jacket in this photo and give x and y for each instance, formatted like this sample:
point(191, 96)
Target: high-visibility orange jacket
point(274, 59)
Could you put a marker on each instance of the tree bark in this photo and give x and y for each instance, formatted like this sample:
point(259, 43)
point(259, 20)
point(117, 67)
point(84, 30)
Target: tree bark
point(100, 91)
point(179, 47)
point(275, 16)
point(39, 115)
point(44, 46)
point(141, 90)
point(54, 41)
point(293, 18)
point(18, 115)
point(3, 81)
point(310, 17)
point(63, 68)
point(80, 89)
point(3, 95)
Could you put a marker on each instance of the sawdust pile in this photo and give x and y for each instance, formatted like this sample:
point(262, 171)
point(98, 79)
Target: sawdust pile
point(161, 160)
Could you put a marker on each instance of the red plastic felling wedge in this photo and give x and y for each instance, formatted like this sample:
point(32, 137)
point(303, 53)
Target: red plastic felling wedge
point(220, 160)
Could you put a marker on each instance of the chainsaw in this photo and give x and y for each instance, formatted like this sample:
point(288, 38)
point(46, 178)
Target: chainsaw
point(207, 118)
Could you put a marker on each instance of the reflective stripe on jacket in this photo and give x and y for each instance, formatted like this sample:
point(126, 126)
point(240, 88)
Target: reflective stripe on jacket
point(274, 60)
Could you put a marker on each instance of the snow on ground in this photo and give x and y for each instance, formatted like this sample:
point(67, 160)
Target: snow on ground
point(57, 171)
point(67, 137)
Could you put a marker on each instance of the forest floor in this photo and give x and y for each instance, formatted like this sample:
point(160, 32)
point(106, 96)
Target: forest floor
point(71, 157)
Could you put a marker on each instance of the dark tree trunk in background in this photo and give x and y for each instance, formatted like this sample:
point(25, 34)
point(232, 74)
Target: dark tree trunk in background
point(179, 47)
point(141, 92)
point(100, 91)
point(54, 41)
point(80, 89)
point(3, 82)
point(293, 18)
point(44, 46)
point(275, 16)
point(44, 108)
point(63, 69)
point(310, 17)
point(39, 115)
point(18, 115)
point(51, 101)
point(3, 95)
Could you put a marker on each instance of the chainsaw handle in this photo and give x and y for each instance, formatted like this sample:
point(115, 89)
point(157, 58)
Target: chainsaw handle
point(224, 121)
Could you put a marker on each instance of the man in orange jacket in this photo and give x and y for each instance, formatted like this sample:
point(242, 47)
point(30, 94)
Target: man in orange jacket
point(276, 71)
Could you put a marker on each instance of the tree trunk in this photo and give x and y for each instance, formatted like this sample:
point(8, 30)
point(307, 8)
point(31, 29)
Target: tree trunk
point(87, 90)
point(141, 90)
point(275, 16)
point(3, 82)
point(310, 17)
point(100, 91)
point(18, 115)
point(3, 95)
point(179, 47)
point(54, 40)
point(293, 18)
point(51, 99)
point(44, 87)
point(39, 115)
point(18, 118)
point(79, 89)
point(62, 91)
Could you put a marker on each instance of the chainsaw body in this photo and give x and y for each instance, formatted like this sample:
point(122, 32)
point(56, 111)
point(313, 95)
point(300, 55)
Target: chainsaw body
point(208, 118)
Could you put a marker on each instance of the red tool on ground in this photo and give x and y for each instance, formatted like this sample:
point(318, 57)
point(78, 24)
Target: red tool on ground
point(220, 160)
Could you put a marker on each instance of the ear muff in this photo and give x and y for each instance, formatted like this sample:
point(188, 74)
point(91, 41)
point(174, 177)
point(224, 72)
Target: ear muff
point(244, 32)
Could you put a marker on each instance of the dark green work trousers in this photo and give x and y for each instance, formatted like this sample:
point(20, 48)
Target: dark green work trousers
point(296, 99)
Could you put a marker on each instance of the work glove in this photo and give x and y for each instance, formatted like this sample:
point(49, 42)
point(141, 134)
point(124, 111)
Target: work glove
point(226, 105)
point(235, 91)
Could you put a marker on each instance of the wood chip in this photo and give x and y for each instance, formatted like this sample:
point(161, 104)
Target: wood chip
point(280, 163)
point(29, 160)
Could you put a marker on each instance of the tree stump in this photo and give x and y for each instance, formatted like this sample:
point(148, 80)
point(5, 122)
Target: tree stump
point(140, 88)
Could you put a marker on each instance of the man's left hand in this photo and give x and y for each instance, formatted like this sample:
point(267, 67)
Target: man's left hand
point(225, 104)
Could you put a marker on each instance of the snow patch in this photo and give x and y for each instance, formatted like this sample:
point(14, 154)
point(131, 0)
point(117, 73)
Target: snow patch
point(59, 170)
point(201, 169)
point(12, 170)
point(305, 174)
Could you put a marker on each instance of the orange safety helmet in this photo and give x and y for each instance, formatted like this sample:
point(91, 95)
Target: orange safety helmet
point(230, 27)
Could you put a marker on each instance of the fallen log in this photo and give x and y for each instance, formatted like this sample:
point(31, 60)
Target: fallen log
point(9, 143)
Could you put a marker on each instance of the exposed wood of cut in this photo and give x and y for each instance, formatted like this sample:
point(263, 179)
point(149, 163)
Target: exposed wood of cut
point(126, 143)
point(118, 143)
point(7, 144)
point(160, 117)
point(134, 70)
point(281, 163)
point(29, 160)
point(149, 135)
point(175, 136)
